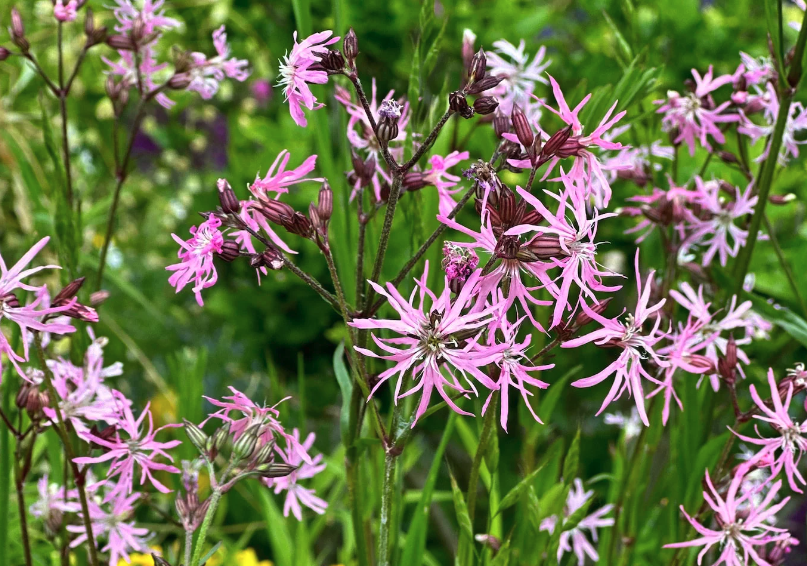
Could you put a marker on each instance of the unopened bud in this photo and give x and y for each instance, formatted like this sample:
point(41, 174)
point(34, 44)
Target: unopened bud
point(350, 47)
point(246, 443)
point(179, 81)
point(264, 453)
point(277, 470)
point(138, 28)
point(98, 36)
point(485, 105)
point(325, 202)
point(230, 251)
point(388, 115)
point(4, 53)
point(120, 42)
point(89, 23)
point(780, 200)
point(489, 540)
point(17, 31)
point(458, 103)
point(546, 247)
point(522, 127)
point(727, 157)
point(554, 143)
point(159, 560)
point(196, 435)
point(481, 86)
point(98, 297)
point(68, 292)
point(583, 318)
point(501, 124)
point(332, 60)
point(479, 63)
point(227, 197)
point(415, 180)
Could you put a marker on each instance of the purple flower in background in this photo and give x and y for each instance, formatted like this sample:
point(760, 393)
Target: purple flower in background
point(262, 91)
point(742, 527)
point(637, 346)
point(296, 73)
point(306, 469)
point(196, 257)
point(427, 341)
point(65, 12)
point(574, 539)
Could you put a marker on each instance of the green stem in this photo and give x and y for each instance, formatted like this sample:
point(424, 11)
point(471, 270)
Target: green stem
point(623, 490)
point(188, 546)
point(387, 496)
point(465, 545)
point(353, 489)
point(785, 266)
point(5, 453)
point(394, 194)
point(211, 512)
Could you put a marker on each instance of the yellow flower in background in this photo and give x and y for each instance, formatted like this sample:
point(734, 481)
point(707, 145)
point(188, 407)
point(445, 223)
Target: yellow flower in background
point(138, 559)
point(246, 557)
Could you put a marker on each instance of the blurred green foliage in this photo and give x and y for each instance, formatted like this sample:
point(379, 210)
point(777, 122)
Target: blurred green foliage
point(267, 339)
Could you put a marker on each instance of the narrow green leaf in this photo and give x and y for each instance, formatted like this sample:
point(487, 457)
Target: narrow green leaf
point(461, 509)
point(574, 519)
point(502, 558)
point(345, 387)
point(520, 489)
point(572, 461)
point(210, 553)
point(547, 406)
point(434, 50)
point(623, 48)
point(772, 13)
point(276, 527)
point(706, 458)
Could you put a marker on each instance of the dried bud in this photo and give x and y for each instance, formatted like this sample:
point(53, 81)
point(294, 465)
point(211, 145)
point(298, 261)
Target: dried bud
point(485, 105)
point(68, 292)
point(479, 63)
point(522, 127)
point(388, 115)
point(196, 435)
point(780, 200)
point(350, 47)
point(546, 247)
point(4, 53)
point(481, 86)
point(230, 251)
point(120, 42)
point(457, 103)
point(554, 143)
point(227, 198)
point(501, 124)
point(325, 202)
point(332, 60)
point(179, 81)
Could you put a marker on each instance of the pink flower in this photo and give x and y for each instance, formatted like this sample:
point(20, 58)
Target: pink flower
point(574, 539)
point(121, 534)
point(278, 180)
point(295, 493)
point(637, 345)
point(196, 257)
point(139, 448)
point(427, 340)
point(52, 502)
point(695, 115)
point(796, 122)
point(206, 74)
point(577, 242)
point(514, 371)
point(714, 228)
point(520, 74)
point(65, 12)
point(742, 528)
point(439, 176)
point(296, 74)
point(791, 440)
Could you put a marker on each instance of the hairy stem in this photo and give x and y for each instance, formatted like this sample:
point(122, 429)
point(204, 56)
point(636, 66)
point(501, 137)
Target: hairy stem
point(360, 252)
point(391, 163)
point(428, 142)
point(211, 512)
point(387, 495)
point(19, 483)
point(394, 194)
point(63, 111)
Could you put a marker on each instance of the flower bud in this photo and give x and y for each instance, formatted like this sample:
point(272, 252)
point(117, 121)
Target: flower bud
point(227, 198)
point(138, 28)
point(120, 42)
point(89, 23)
point(415, 180)
point(246, 443)
point(11, 300)
point(727, 157)
point(68, 292)
point(17, 31)
point(546, 247)
point(479, 63)
point(501, 124)
point(273, 470)
point(780, 200)
point(489, 540)
point(98, 36)
point(98, 297)
point(507, 247)
point(196, 435)
point(179, 81)
point(264, 453)
point(219, 438)
point(350, 47)
point(485, 105)
point(387, 128)
point(457, 103)
point(21, 400)
point(4, 53)
point(325, 202)
point(332, 60)
point(270, 258)
point(522, 126)
point(702, 362)
point(554, 143)
point(480, 86)
point(230, 251)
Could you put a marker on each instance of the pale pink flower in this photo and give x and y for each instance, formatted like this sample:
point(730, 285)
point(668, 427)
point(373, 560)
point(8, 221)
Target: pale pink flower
point(65, 12)
point(709, 83)
point(636, 343)
point(574, 539)
point(278, 179)
point(306, 469)
point(576, 239)
point(427, 341)
point(791, 440)
point(673, 202)
point(206, 74)
point(138, 447)
point(791, 140)
point(196, 257)
point(514, 370)
point(115, 526)
point(521, 75)
point(439, 176)
point(739, 531)
point(296, 74)
point(51, 501)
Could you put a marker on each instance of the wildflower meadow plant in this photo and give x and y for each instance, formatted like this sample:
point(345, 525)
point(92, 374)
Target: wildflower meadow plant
point(512, 302)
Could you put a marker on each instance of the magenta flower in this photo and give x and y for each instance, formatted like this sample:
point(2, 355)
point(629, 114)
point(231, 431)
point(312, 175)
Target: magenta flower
point(206, 74)
point(296, 73)
point(741, 527)
point(521, 75)
point(514, 371)
point(306, 469)
point(196, 257)
point(427, 347)
point(574, 539)
point(140, 447)
point(278, 180)
point(121, 534)
point(65, 12)
point(439, 176)
point(694, 115)
point(791, 440)
point(637, 346)
point(714, 228)
point(577, 242)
